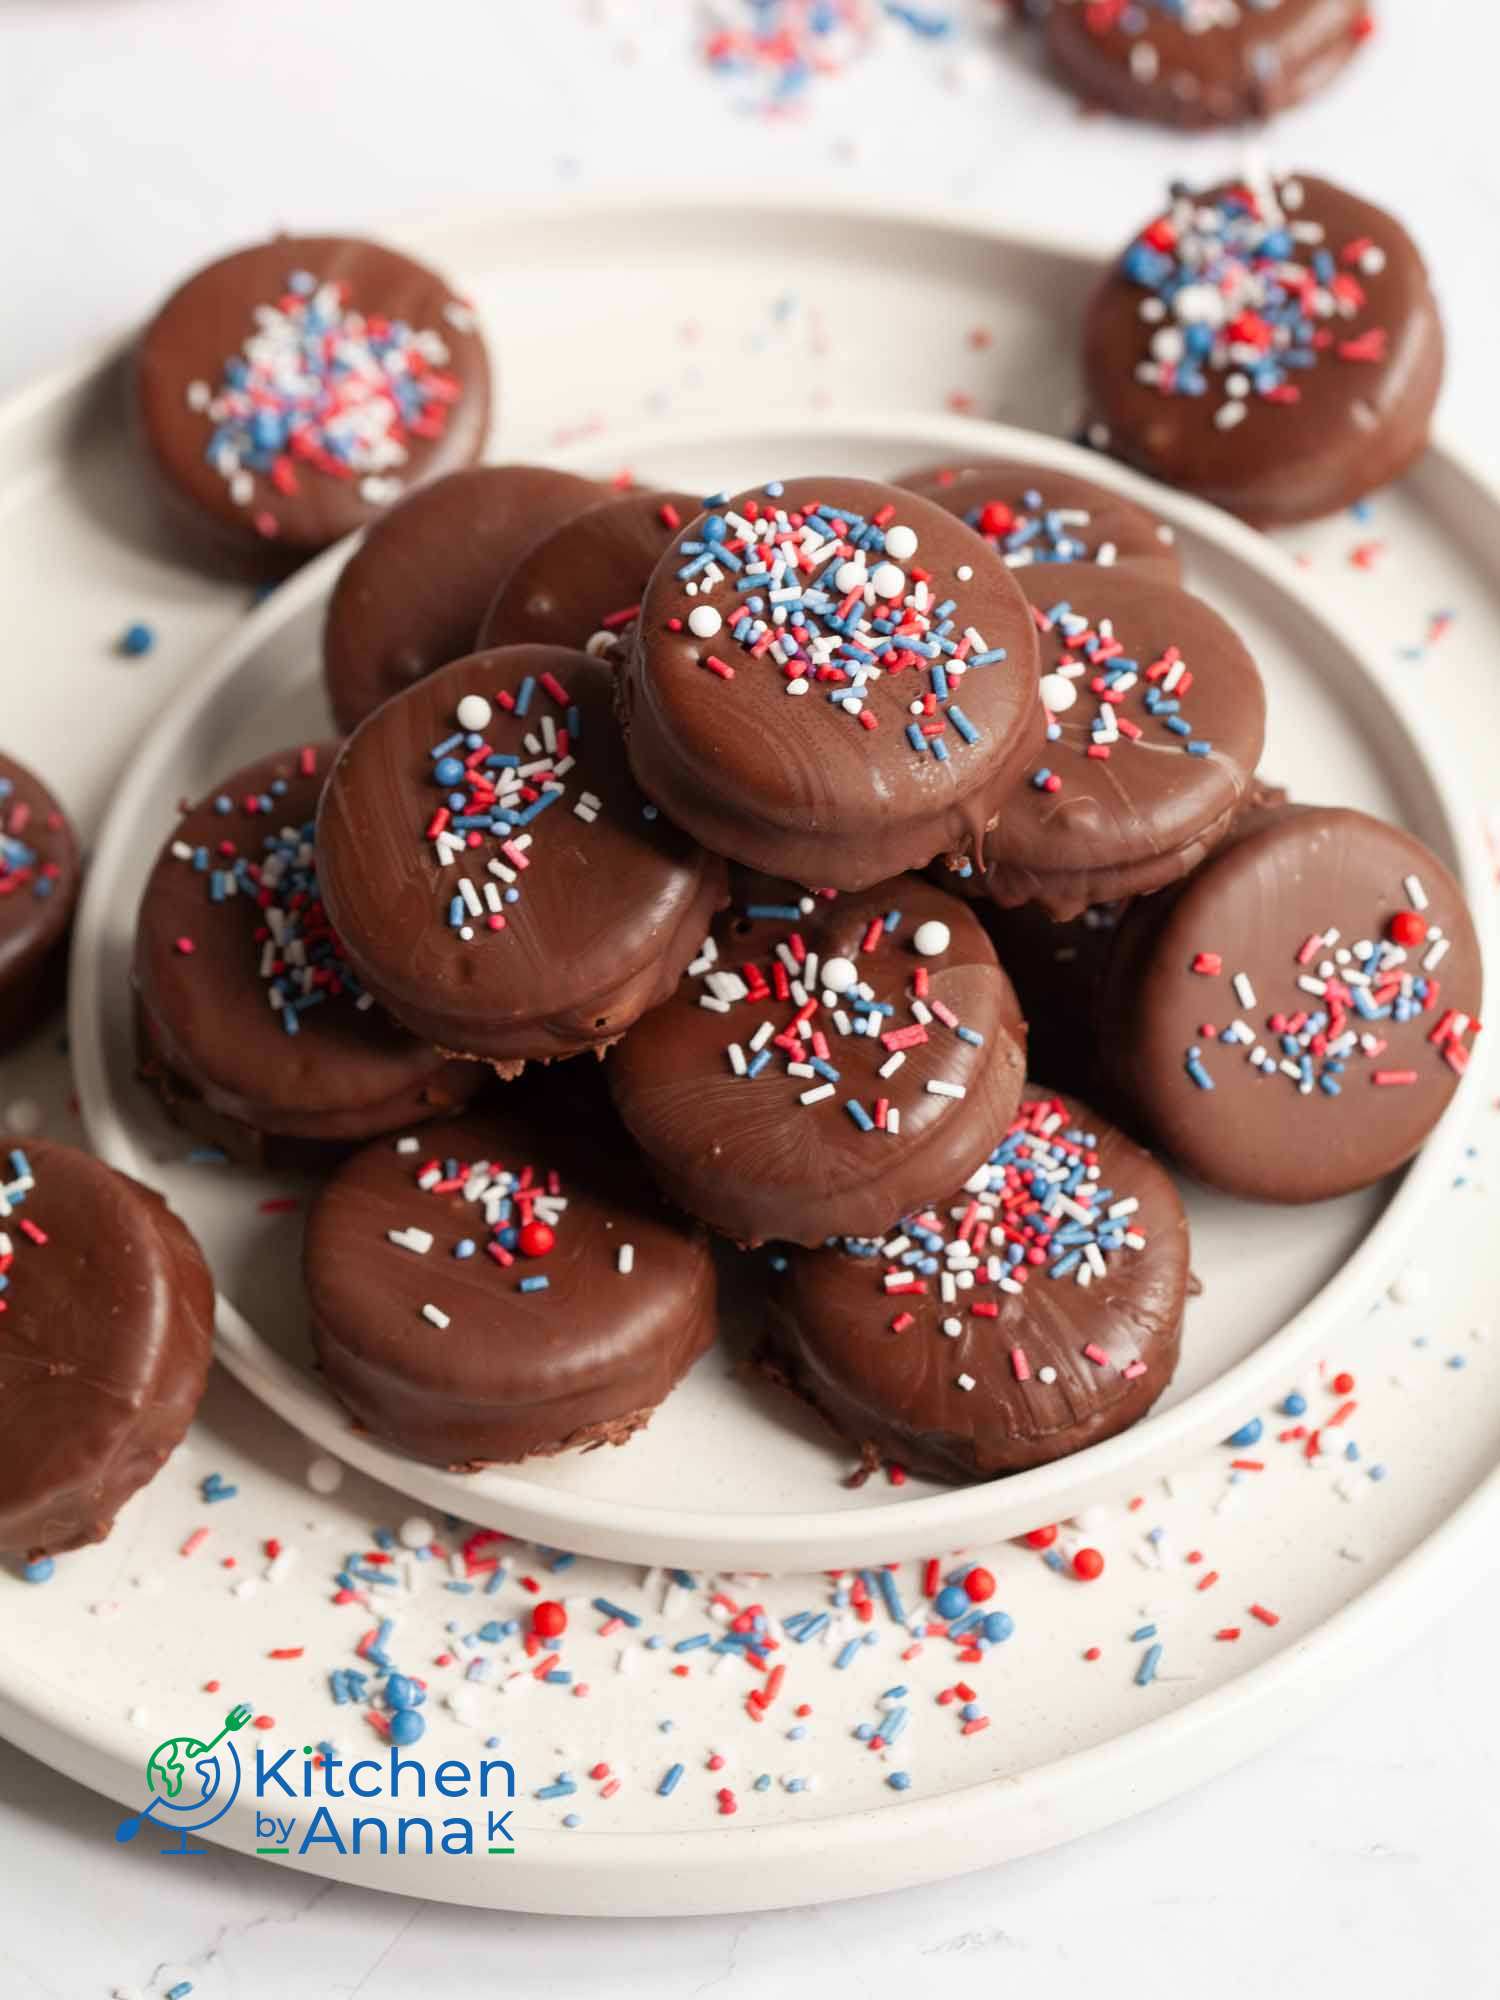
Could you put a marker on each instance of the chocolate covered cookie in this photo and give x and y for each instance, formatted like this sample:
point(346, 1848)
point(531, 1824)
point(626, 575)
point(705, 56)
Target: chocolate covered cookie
point(831, 681)
point(1198, 63)
point(826, 1063)
point(39, 880)
point(1034, 514)
point(1273, 346)
point(1290, 1023)
point(288, 393)
point(106, 1324)
point(411, 595)
point(255, 1026)
point(582, 585)
point(1035, 1309)
point(487, 1292)
point(1155, 721)
point(495, 875)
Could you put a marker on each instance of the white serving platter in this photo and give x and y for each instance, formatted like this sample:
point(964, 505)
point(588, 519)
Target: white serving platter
point(730, 1471)
point(133, 1628)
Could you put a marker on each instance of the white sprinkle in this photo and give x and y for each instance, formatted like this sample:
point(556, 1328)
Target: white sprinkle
point(474, 713)
point(937, 1088)
point(964, 573)
point(418, 1240)
point(932, 939)
point(325, 1476)
point(416, 1532)
point(1244, 992)
point(1436, 955)
point(953, 1328)
point(625, 1262)
point(435, 1316)
point(1057, 692)
point(892, 1063)
point(816, 1096)
point(900, 543)
point(965, 1382)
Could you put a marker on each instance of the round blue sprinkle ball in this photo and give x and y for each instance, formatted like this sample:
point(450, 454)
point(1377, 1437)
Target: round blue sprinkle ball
point(1247, 1433)
point(407, 1727)
point(951, 1601)
point(998, 1627)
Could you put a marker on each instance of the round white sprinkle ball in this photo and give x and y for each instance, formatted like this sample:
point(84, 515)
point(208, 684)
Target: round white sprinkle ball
point(851, 576)
point(900, 543)
point(932, 939)
point(964, 573)
point(704, 622)
point(417, 1533)
point(1411, 1285)
point(1057, 692)
point(839, 974)
point(888, 580)
point(474, 712)
point(325, 1475)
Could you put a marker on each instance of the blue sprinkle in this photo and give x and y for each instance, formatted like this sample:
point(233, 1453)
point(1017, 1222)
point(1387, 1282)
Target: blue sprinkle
point(136, 640)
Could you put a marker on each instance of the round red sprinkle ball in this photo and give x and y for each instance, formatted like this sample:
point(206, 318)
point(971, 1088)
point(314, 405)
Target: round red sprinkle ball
point(980, 1584)
point(536, 1239)
point(1087, 1564)
point(1407, 927)
point(995, 518)
point(1343, 1385)
point(1041, 1538)
point(548, 1620)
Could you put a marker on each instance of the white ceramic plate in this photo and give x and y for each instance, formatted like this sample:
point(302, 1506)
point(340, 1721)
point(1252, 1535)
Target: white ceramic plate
point(133, 1625)
point(726, 1472)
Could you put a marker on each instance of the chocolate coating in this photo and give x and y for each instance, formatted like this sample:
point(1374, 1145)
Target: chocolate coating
point(1212, 62)
point(513, 1374)
point(1286, 875)
point(609, 912)
point(1140, 818)
point(1355, 424)
point(410, 596)
point(791, 784)
point(205, 325)
point(217, 1045)
point(899, 1395)
point(746, 1154)
point(587, 574)
point(104, 1348)
point(39, 880)
point(994, 497)
point(1057, 969)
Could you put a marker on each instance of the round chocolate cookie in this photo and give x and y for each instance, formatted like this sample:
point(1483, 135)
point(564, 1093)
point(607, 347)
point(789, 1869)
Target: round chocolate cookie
point(104, 1343)
point(497, 879)
point(290, 392)
point(1033, 1311)
point(1274, 347)
point(38, 894)
point(1199, 63)
point(254, 1025)
point(1290, 1023)
point(1033, 514)
point(831, 681)
point(827, 1063)
point(588, 576)
point(412, 593)
point(1156, 719)
point(484, 1294)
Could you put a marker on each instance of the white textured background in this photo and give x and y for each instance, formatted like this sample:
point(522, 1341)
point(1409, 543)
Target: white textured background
point(138, 137)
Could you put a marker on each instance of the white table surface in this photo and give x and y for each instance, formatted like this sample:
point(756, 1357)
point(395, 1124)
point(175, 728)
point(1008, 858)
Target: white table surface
point(139, 137)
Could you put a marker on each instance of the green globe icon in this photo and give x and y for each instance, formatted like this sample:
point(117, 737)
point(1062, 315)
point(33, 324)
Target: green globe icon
point(184, 1775)
point(193, 1783)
